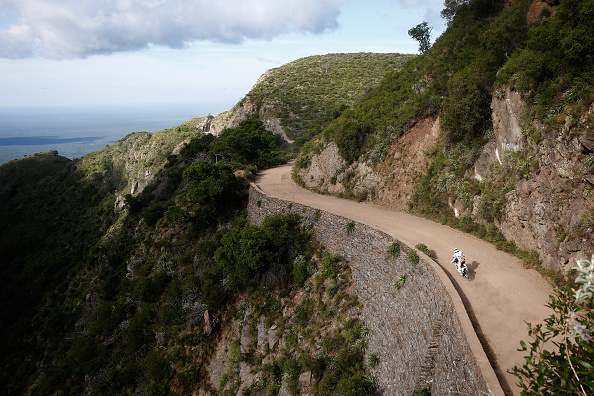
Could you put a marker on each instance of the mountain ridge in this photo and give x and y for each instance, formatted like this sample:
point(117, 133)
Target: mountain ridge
point(126, 266)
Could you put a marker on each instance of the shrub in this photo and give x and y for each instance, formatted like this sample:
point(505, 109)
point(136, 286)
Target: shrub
point(342, 376)
point(250, 252)
point(373, 360)
point(465, 111)
point(394, 249)
point(568, 369)
point(349, 227)
point(154, 213)
point(412, 256)
point(400, 282)
point(249, 144)
point(351, 139)
point(557, 57)
point(331, 265)
point(423, 248)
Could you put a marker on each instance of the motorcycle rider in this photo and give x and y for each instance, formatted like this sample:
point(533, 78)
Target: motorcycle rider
point(459, 260)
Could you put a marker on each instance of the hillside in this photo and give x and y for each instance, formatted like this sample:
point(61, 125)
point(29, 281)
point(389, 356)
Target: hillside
point(114, 291)
point(125, 238)
point(489, 131)
point(133, 270)
point(299, 99)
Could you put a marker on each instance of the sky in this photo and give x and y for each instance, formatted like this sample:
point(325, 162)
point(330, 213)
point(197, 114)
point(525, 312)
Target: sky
point(134, 52)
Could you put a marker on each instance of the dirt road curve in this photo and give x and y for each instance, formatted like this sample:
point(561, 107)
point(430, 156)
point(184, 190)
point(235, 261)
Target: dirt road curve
point(502, 295)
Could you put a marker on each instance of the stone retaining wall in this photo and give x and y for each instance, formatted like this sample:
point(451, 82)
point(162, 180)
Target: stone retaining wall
point(415, 331)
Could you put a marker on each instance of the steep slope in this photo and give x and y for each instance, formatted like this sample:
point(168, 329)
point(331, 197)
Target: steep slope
point(501, 298)
point(300, 98)
point(494, 144)
point(125, 270)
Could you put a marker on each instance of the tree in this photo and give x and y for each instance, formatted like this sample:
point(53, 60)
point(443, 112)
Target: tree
point(465, 111)
point(569, 368)
point(451, 8)
point(249, 144)
point(213, 191)
point(421, 33)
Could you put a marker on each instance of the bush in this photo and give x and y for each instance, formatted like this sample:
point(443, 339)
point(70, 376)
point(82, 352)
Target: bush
point(400, 282)
point(331, 265)
point(342, 376)
point(466, 110)
point(351, 139)
point(153, 214)
point(213, 192)
point(412, 256)
point(557, 58)
point(423, 248)
point(248, 252)
point(349, 227)
point(394, 249)
point(249, 144)
point(568, 369)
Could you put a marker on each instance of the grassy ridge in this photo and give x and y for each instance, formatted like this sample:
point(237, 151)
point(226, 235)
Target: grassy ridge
point(308, 93)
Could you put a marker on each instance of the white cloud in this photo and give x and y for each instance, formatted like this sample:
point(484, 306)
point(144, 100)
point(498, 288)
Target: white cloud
point(65, 29)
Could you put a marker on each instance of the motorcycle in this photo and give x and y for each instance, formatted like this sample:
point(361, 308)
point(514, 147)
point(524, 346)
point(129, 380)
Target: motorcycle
point(465, 272)
point(463, 269)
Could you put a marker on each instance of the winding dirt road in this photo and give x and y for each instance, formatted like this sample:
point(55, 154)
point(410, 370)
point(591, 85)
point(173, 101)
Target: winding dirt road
point(500, 299)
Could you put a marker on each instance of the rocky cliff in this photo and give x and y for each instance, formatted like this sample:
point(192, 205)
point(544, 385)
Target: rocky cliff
point(548, 210)
point(504, 150)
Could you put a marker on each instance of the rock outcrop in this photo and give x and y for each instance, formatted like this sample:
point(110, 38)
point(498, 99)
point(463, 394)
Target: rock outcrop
point(267, 113)
point(540, 9)
point(550, 210)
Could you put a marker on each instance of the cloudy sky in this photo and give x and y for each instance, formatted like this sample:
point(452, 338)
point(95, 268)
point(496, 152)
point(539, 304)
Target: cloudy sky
point(93, 52)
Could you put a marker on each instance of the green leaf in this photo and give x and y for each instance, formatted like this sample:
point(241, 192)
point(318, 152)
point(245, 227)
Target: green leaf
point(585, 364)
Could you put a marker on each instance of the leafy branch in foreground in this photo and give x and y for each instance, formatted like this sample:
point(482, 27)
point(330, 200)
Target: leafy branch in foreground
point(568, 369)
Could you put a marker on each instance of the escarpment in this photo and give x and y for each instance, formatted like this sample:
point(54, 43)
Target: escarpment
point(545, 176)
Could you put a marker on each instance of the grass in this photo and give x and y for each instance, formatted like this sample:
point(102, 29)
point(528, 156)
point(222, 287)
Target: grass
point(349, 227)
point(412, 256)
point(394, 249)
point(400, 282)
point(423, 248)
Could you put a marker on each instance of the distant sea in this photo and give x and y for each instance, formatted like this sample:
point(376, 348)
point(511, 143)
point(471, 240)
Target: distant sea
point(76, 131)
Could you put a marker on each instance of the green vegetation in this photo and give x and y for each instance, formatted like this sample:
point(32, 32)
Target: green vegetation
point(394, 249)
point(400, 282)
point(249, 144)
point(421, 33)
point(121, 268)
point(308, 93)
point(554, 68)
point(248, 254)
point(453, 79)
point(567, 369)
point(338, 366)
point(349, 227)
point(423, 248)
point(130, 300)
point(412, 256)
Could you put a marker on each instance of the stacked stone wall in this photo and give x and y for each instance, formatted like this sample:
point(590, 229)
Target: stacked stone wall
point(414, 330)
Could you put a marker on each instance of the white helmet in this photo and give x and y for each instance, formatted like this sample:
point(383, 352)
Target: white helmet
point(456, 250)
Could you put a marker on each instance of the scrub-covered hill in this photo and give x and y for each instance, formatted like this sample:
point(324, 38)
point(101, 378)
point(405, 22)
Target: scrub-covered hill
point(299, 99)
point(490, 130)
